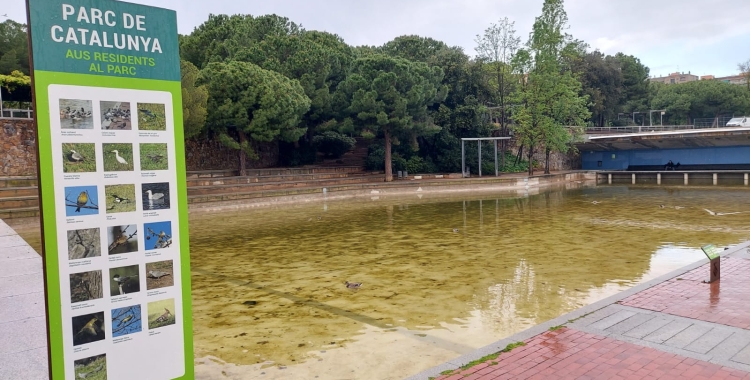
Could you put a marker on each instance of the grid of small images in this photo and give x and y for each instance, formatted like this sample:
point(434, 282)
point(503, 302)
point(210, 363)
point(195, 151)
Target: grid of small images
point(120, 282)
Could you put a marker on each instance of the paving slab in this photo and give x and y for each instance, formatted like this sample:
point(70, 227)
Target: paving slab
point(14, 308)
point(21, 267)
point(17, 253)
point(26, 365)
point(743, 356)
point(12, 241)
point(23, 335)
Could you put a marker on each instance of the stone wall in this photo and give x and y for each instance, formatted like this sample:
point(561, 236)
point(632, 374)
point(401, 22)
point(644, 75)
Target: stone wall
point(17, 147)
point(557, 161)
point(204, 154)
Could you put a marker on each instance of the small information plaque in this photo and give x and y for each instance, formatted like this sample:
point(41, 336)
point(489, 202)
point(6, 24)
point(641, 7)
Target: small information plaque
point(711, 251)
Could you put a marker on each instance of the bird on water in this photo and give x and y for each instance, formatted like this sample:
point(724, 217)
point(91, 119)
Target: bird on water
point(154, 196)
point(353, 285)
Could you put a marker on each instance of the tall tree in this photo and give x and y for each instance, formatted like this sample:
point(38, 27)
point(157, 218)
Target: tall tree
point(701, 99)
point(549, 97)
point(496, 47)
point(248, 100)
point(14, 47)
point(602, 80)
point(744, 68)
point(390, 96)
point(636, 86)
point(194, 100)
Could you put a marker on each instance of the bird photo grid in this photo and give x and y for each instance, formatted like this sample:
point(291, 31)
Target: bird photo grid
point(113, 190)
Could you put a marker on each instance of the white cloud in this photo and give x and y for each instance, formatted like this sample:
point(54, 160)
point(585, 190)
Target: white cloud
point(643, 28)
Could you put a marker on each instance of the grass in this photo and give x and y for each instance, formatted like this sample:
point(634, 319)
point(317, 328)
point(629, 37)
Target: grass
point(484, 359)
point(110, 161)
point(156, 309)
point(553, 328)
point(87, 371)
point(157, 121)
point(154, 157)
point(126, 192)
point(88, 151)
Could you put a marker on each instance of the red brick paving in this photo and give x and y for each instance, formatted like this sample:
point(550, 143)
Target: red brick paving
point(572, 354)
point(725, 302)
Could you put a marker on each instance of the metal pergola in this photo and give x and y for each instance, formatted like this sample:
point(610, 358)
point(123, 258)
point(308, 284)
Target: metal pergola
point(479, 145)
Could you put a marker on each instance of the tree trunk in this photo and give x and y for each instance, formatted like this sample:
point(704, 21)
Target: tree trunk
point(388, 169)
point(243, 155)
point(530, 155)
point(546, 161)
point(519, 155)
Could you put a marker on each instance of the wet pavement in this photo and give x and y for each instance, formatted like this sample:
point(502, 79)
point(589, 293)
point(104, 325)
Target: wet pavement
point(677, 327)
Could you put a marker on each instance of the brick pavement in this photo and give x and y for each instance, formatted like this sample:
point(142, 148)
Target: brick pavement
point(726, 302)
point(680, 328)
point(571, 354)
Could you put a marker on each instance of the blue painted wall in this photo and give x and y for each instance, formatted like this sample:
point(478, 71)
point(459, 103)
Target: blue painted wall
point(620, 160)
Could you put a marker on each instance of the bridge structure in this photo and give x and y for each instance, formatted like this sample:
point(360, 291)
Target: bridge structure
point(650, 148)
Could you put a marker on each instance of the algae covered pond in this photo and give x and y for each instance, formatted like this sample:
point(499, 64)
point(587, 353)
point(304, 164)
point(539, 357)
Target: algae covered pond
point(441, 276)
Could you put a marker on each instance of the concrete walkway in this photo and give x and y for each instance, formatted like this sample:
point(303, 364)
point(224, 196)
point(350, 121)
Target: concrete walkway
point(673, 327)
point(23, 330)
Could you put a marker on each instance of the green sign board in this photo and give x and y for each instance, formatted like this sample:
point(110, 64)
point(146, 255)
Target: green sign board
point(106, 79)
point(711, 251)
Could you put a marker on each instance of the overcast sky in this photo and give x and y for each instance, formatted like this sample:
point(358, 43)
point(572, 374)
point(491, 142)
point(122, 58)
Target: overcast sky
point(703, 37)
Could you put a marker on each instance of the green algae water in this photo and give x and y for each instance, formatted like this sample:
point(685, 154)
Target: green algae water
point(440, 277)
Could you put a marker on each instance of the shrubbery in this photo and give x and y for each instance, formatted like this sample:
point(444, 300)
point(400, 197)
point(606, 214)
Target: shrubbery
point(333, 144)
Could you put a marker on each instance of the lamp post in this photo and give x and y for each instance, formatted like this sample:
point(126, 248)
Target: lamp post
point(651, 112)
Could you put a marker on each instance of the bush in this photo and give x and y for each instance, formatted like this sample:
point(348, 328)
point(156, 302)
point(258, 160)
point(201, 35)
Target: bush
point(333, 144)
point(375, 157)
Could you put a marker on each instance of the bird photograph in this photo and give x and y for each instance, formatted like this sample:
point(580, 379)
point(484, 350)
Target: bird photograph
point(124, 280)
point(152, 117)
point(76, 114)
point(154, 157)
point(161, 313)
point(126, 320)
point(115, 115)
point(78, 158)
point(88, 328)
point(81, 200)
point(91, 368)
point(86, 286)
point(120, 198)
point(118, 157)
point(122, 239)
point(84, 243)
point(159, 274)
point(155, 196)
point(158, 235)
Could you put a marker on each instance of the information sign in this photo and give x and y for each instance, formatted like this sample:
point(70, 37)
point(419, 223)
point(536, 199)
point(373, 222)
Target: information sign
point(106, 79)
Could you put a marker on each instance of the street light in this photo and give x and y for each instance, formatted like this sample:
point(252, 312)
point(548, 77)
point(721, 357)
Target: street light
point(650, 123)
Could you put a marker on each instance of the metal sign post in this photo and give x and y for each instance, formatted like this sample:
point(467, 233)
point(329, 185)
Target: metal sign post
point(712, 252)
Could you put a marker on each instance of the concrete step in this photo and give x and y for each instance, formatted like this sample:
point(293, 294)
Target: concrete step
point(273, 171)
point(19, 202)
point(12, 192)
point(24, 212)
point(25, 181)
point(192, 182)
point(252, 187)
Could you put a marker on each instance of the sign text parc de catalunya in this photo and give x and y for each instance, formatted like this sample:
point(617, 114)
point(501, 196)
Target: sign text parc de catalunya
point(113, 63)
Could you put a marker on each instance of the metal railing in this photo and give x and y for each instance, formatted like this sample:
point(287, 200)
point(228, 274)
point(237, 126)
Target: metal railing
point(14, 113)
point(648, 128)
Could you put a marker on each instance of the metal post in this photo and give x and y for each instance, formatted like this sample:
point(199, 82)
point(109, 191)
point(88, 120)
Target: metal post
point(658, 178)
point(633, 178)
point(686, 179)
point(716, 179)
point(479, 145)
point(495, 144)
point(747, 179)
point(463, 161)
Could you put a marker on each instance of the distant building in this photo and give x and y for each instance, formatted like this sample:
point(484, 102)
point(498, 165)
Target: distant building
point(734, 79)
point(708, 77)
point(676, 78)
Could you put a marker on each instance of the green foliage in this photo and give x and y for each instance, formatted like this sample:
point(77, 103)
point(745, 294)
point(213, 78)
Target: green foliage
point(194, 100)
point(14, 48)
point(248, 99)
point(333, 144)
point(550, 96)
point(391, 96)
point(705, 98)
point(15, 80)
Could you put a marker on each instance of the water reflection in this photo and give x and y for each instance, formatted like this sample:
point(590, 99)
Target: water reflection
point(269, 283)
